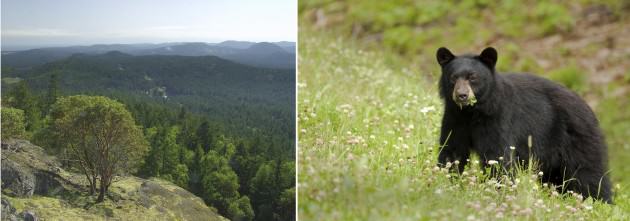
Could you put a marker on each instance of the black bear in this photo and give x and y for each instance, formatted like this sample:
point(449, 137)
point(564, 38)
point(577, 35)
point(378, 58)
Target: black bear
point(504, 116)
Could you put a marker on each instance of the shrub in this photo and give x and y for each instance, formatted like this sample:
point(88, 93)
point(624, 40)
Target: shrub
point(12, 123)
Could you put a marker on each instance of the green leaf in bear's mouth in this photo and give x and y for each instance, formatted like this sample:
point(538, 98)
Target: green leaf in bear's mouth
point(472, 101)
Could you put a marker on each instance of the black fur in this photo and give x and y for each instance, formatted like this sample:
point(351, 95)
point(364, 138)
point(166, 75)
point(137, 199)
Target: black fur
point(566, 139)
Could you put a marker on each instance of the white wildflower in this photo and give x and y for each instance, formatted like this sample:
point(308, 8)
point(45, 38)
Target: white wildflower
point(425, 110)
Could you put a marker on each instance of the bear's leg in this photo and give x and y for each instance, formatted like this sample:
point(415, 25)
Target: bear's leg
point(455, 146)
point(497, 162)
point(594, 184)
point(556, 177)
point(457, 156)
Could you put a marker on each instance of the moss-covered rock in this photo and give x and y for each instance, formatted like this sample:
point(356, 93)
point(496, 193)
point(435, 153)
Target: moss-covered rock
point(8, 211)
point(57, 194)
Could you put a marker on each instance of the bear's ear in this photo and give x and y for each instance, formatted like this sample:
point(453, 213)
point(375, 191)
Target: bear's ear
point(444, 56)
point(489, 57)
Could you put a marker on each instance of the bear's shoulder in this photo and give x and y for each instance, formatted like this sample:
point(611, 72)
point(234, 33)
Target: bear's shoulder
point(532, 90)
point(522, 77)
point(529, 81)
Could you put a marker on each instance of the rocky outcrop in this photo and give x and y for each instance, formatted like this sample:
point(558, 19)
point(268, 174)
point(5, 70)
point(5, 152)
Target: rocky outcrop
point(17, 180)
point(34, 187)
point(8, 211)
point(29, 216)
point(27, 170)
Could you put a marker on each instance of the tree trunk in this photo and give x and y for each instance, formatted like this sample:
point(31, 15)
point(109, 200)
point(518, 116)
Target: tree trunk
point(93, 186)
point(102, 191)
point(101, 195)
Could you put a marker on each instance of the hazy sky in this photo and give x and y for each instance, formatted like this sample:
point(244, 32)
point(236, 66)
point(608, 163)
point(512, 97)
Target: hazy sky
point(37, 23)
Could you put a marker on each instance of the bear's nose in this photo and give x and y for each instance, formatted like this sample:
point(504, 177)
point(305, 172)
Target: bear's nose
point(462, 97)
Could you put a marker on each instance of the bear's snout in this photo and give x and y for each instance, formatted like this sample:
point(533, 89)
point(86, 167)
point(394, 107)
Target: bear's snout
point(463, 94)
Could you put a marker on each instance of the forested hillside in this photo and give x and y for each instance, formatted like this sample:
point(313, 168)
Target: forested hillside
point(222, 130)
point(222, 89)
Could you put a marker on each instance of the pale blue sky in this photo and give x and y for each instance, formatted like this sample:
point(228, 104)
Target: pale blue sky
point(37, 23)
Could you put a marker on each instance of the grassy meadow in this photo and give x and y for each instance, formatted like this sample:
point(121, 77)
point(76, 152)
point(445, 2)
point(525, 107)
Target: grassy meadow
point(369, 111)
point(368, 138)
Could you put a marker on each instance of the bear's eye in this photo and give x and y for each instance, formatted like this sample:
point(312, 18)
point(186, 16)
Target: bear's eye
point(472, 78)
point(452, 78)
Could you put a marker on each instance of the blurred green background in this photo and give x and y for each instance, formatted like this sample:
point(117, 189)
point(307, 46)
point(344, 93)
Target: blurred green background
point(582, 44)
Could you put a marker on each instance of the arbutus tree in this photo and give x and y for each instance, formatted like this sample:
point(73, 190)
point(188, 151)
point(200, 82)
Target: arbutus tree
point(101, 137)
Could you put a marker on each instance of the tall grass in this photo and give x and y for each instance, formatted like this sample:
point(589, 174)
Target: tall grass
point(368, 131)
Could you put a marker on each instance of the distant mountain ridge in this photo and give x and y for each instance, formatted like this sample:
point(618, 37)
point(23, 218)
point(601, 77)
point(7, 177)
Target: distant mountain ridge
point(236, 44)
point(262, 54)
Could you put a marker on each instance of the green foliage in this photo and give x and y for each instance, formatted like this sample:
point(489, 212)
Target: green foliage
point(262, 183)
point(21, 97)
point(180, 175)
point(100, 135)
point(553, 17)
point(407, 27)
point(220, 182)
point(287, 204)
point(614, 118)
point(53, 93)
point(12, 123)
point(382, 14)
point(214, 163)
point(398, 38)
point(163, 157)
point(167, 159)
point(241, 209)
point(262, 189)
point(205, 136)
point(245, 163)
point(571, 77)
point(267, 186)
point(79, 120)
